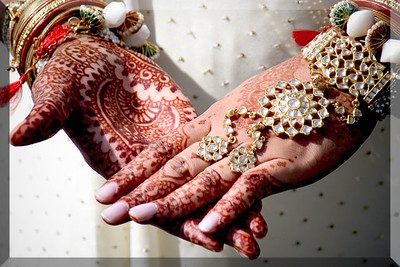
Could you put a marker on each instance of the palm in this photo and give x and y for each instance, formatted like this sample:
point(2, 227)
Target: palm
point(111, 102)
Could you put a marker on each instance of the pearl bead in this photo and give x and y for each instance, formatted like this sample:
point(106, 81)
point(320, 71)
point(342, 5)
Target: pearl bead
point(137, 39)
point(360, 22)
point(391, 52)
point(114, 14)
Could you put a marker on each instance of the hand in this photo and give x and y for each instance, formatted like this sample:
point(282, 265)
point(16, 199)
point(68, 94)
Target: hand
point(283, 163)
point(112, 103)
point(135, 176)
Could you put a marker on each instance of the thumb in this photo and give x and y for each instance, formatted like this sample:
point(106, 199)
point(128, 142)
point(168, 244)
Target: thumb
point(51, 97)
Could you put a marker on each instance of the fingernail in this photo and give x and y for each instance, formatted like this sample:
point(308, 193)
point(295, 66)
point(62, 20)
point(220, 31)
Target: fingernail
point(106, 193)
point(144, 212)
point(209, 223)
point(116, 213)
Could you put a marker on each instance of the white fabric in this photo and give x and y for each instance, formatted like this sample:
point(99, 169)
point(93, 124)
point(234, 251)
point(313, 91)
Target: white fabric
point(209, 47)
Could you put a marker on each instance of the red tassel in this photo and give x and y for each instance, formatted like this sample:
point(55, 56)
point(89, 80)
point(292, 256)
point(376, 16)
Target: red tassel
point(44, 48)
point(303, 37)
point(9, 91)
point(49, 43)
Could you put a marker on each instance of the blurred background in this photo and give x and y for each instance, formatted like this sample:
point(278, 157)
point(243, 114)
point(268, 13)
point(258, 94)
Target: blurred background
point(209, 48)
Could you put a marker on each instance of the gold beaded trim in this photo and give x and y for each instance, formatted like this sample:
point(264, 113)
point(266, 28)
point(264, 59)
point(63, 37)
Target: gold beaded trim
point(393, 4)
point(39, 16)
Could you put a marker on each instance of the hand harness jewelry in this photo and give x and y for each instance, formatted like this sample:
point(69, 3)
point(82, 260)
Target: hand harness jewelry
point(297, 108)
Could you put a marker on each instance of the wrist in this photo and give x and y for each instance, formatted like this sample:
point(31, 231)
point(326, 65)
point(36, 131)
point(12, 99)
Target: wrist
point(33, 20)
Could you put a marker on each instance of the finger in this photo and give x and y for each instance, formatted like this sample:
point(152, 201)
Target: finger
point(255, 221)
point(242, 240)
point(51, 96)
point(176, 172)
point(207, 186)
point(238, 235)
point(160, 185)
point(251, 186)
point(151, 159)
point(191, 232)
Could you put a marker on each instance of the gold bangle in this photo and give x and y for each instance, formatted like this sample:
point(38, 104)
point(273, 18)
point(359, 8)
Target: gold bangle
point(23, 18)
point(394, 25)
point(34, 24)
point(39, 16)
point(384, 10)
point(393, 4)
point(30, 55)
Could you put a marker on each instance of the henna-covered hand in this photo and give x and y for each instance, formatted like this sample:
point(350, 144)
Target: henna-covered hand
point(148, 182)
point(113, 103)
point(283, 163)
point(110, 101)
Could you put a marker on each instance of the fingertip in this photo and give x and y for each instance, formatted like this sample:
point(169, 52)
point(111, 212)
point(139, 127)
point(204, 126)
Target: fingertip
point(260, 234)
point(210, 223)
point(43, 122)
point(259, 227)
point(255, 254)
point(116, 213)
point(107, 193)
point(17, 136)
point(242, 240)
point(144, 212)
point(13, 141)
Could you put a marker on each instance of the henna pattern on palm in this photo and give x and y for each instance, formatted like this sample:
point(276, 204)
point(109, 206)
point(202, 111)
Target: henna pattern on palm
point(114, 104)
point(111, 102)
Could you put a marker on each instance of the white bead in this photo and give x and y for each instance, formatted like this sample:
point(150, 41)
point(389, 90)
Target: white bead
point(391, 51)
point(114, 14)
point(137, 39)
point(360, 22)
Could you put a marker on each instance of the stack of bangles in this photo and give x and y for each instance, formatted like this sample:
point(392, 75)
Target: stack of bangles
point(343, 57)
point(33, 29)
